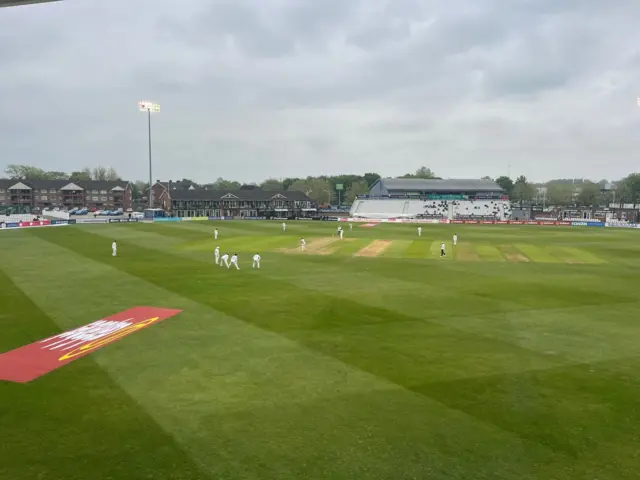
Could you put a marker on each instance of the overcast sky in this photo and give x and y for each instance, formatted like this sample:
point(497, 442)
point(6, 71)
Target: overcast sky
point(258, 88)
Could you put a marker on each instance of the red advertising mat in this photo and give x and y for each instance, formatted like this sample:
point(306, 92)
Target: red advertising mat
point(32, 361)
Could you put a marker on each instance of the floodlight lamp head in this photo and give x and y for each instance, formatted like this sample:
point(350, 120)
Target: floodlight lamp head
point(147, 106)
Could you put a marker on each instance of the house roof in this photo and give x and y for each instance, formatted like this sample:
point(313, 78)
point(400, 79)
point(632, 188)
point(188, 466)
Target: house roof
point(19, 186)
point(60, 184)
point(437, 185)
point(255, 194)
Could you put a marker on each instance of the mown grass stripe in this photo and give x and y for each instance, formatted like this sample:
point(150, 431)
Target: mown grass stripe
point(574, 255)
point(417, 249)
point(512, 254)
point(397, 249)
point(536, 254)
point(86, 411)
point(489, 253)
point(464, 251)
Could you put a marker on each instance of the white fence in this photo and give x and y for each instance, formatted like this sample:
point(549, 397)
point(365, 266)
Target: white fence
point(56, 215)
point(17, 217)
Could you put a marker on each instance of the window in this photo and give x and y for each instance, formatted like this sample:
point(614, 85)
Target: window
point(37, 197)
point(103, 192)
point(95, 192)
point(1, 190)
point(1, 198)
point(44, 198)
point(88, 197)
point(111, 199)
point(53, 190)
point(95, 199)
point(44, 190)
point(103, 199)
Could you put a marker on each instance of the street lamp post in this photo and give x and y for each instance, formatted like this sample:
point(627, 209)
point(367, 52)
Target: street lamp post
point(149, 108)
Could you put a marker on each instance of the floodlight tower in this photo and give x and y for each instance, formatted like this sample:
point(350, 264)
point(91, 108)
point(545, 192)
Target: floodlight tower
point(149, 108)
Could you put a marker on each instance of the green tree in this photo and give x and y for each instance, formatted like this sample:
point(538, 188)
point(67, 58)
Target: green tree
point(506, 184)
point(523, 191)
point(628, 189)
point(53, 175)
point(80, 175)
point(287, 182)
point(29, 172)
point(357, 188)
point(560, 194)
point(139, 189)
point(316, 189)
point(371, 178)
point(589, 194)
point(222, 184)
point(272, 185)
point(422, 172)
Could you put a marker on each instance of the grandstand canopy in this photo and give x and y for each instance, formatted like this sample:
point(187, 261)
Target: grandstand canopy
point(16, 3)
point(408, 186)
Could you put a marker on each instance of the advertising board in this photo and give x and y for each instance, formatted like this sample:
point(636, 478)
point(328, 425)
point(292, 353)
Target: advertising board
point(92, 220)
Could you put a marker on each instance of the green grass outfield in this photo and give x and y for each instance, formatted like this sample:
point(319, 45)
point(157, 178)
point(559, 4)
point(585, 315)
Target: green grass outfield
point(514, 357)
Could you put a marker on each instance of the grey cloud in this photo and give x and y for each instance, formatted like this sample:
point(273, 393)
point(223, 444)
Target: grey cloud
point(252, 89)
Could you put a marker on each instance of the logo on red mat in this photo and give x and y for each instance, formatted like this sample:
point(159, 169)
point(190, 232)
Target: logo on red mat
point(32, 361)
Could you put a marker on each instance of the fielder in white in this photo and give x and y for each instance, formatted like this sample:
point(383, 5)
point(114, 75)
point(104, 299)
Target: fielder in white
point(215, 234)
point(284, 227)
point(341, 233)
point(419, 231)
point(234, 261)
point(216, 253)
point(351, 226)
point(256, 261)
point(224, 261)
point(455, 239)
point(114, 249)
point(303, 244)
point(442, 252)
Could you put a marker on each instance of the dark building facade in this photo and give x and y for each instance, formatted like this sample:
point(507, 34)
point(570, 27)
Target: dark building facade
point(250, 203)
point(65, 194)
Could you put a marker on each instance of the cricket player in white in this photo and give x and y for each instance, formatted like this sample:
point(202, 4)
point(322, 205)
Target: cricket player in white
point(341, 233)
point(215, 234)
point(216, 253)
point(114, 249)
point(256, 261)
point(442, 253)
point(419, 231)
point(234, 261)
point(303, 244)
point(224, 261)
point(284, 227)
point(351, 226)
point(455, 239)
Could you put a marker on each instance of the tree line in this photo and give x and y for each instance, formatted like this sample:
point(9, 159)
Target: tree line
point(573, 192)
point(28, 172)
point(345, 188)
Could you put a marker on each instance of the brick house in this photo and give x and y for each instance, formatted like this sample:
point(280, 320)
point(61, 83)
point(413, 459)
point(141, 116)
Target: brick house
point(66, 194)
